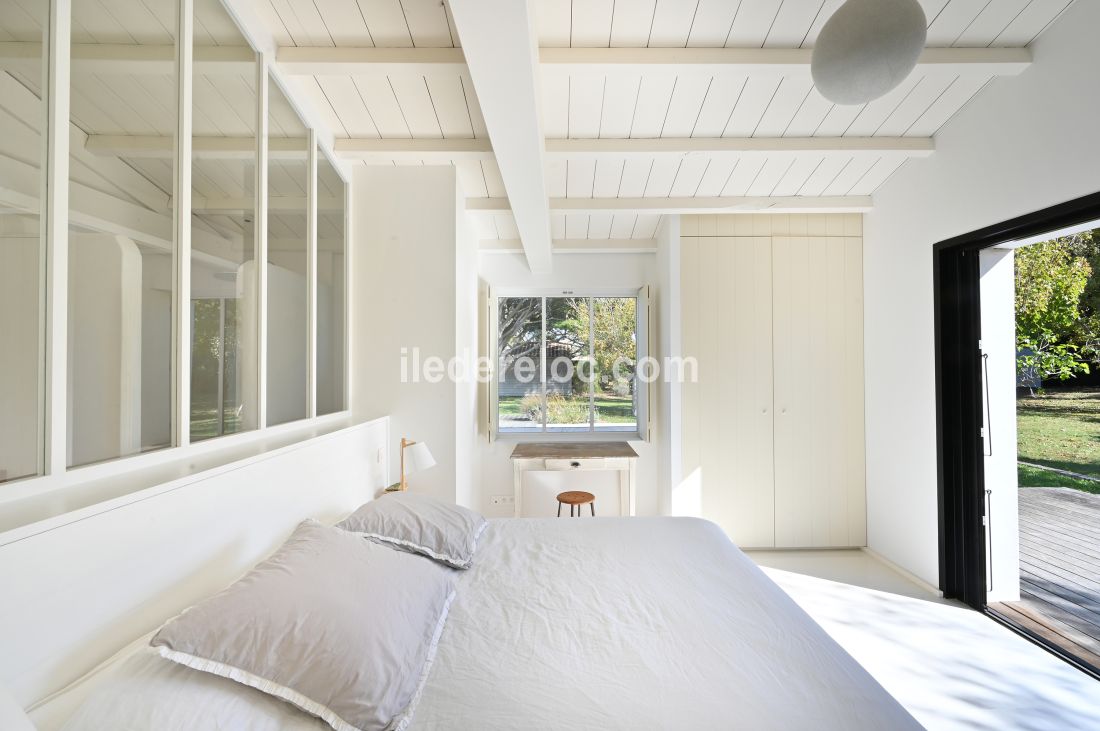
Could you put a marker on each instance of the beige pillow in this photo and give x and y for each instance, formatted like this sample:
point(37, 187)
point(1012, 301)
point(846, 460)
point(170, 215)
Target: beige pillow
point(418, 523)
point(343, 628)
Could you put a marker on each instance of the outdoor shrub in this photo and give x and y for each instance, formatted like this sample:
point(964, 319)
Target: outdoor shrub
point(621, 388)
point(559, 409)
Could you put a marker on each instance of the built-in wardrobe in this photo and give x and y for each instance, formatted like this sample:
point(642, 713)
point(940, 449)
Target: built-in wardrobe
point(772, 429)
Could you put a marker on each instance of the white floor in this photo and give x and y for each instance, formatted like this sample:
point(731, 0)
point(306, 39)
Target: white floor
point(952, 667)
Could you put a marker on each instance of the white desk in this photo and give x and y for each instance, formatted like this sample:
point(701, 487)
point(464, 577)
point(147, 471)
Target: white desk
point(618, 457)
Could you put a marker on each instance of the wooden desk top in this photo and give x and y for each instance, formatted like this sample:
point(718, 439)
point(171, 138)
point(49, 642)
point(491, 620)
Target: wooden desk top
point(572, 450)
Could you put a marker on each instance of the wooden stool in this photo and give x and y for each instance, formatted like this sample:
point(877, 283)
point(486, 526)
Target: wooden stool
point(576, 499)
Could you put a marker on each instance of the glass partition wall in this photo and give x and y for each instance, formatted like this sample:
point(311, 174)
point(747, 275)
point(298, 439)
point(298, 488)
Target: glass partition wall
point(22, 124)
point(331, 298)
point(121, 238)
point(287, 261)
point(134, 318)
point(224, 281)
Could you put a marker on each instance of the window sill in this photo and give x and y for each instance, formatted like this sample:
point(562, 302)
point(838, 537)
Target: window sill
point(40, 498)
point(587, 436)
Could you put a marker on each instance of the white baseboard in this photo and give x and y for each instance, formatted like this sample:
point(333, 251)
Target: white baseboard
point(907, 574)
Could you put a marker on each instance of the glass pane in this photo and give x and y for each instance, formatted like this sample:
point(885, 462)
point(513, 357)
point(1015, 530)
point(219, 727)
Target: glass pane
point(614, 321)
point(287, 296)
point(22, 122)
point(568, 367)
point(121, 233)
point(330, 288)
point(519, 387)
point(223, 213)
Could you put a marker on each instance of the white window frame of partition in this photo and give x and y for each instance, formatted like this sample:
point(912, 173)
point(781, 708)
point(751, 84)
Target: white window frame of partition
point(643, 340)
point(54, 471)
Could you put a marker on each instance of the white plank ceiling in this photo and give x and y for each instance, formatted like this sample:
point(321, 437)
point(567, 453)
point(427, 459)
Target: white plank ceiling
point(581, 103)
point(692, 104)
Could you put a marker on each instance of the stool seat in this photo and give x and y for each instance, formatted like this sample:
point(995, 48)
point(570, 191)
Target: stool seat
point(575, 499)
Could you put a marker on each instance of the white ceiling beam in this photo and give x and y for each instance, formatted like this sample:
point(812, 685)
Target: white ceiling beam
point(221, 148)
point(740, 204)
point(574, 246)
point(441, 151)
point(328, 61)
point(743, 61)
point(445, 151)
point(109, 58)
point(130, 59)
point(709, 147)
point(501, 49)
point(275, 204)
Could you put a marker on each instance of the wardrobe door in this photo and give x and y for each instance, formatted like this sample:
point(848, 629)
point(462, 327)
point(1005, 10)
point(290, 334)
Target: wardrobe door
point(818, 353)
point(727, 414)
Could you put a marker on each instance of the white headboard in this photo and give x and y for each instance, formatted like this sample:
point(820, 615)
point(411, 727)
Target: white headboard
point(77, 588)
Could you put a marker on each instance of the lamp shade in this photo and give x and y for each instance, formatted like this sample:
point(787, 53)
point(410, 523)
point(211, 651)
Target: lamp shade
point(417, 457)
point(867, 48)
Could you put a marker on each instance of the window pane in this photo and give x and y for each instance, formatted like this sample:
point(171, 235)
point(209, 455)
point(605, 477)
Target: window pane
point(121, 236)
point(519, 388)
point(615, 328)
point(223, 251)
point(330, 288)
point(568, 366)
point(22, 122)
point(287, 296)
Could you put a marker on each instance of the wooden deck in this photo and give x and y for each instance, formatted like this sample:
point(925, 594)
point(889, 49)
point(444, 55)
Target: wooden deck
point(1059, 570)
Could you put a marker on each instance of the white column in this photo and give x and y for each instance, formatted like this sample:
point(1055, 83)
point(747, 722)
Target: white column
point(181, 196)
point(260, 227)
point(56, 229)
point(311, 277)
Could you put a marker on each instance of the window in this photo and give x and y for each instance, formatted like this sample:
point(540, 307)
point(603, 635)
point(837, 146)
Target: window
point(287, 262)
point(224, 280)
point(330, 287)
point(568, 364)
point(22, 120)
point(121, 244)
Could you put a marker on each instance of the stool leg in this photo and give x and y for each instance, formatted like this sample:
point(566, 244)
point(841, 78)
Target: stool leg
point(559, 509)
point(593, 506)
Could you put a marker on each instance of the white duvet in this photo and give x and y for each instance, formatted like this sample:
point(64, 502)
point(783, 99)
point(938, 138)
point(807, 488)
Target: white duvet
point(612, 623)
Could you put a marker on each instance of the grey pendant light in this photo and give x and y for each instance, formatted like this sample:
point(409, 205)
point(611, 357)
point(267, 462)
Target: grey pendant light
point(867, 48)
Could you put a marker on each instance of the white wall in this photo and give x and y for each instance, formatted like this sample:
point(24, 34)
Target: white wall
point(468, 463)
point(578, 271)
point(1023, 144)
point(107, 574)
point(666, 303)
point(410, 257)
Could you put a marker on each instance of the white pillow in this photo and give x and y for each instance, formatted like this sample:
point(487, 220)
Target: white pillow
point(12, 716)
point(439, 530)
point(343, 628)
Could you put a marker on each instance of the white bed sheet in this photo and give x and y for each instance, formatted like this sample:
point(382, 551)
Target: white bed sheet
point(637, 623)
point(607, 623)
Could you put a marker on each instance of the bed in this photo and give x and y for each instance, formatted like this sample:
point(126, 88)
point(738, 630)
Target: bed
point(612, 623)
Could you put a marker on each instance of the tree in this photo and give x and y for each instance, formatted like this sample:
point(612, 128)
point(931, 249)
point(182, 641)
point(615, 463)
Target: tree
point(1050, 279)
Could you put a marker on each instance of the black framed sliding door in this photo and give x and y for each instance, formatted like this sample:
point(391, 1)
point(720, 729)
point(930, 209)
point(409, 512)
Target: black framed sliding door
point(959, 397)
point(959, 425)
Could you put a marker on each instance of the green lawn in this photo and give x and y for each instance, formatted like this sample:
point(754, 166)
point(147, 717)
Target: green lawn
point(1060, 429)
point(1033, 477)
point(610, 409)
